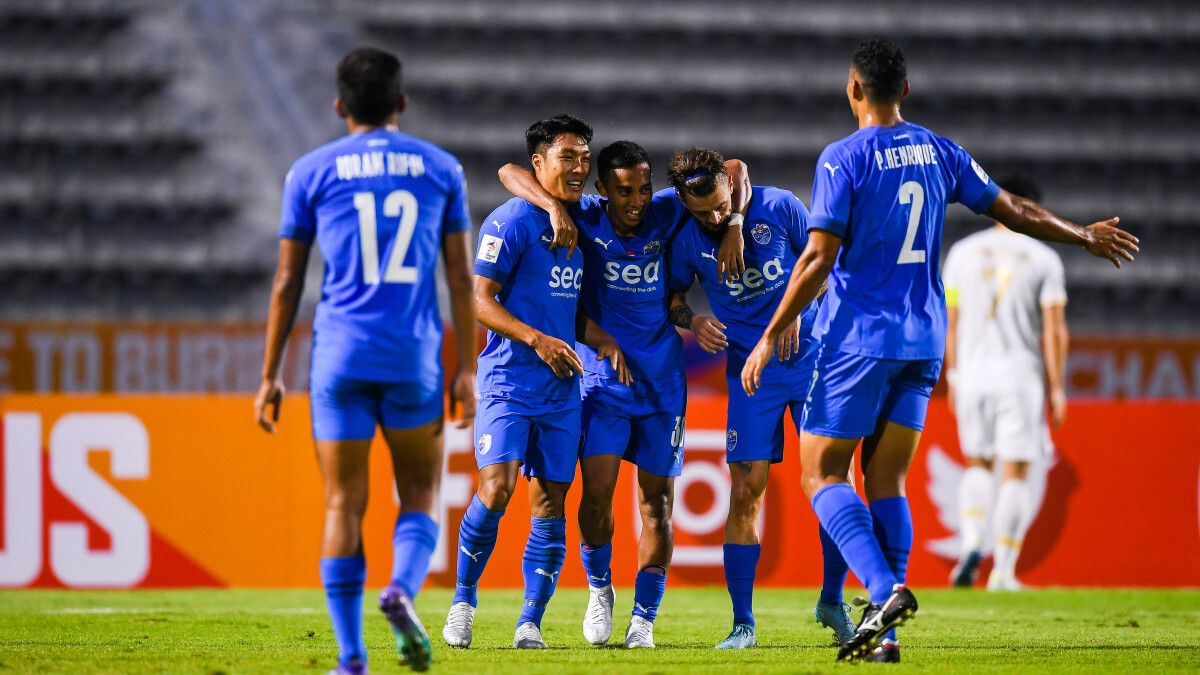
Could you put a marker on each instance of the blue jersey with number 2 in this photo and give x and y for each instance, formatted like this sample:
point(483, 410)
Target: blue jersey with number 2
point(378, 204)
point(884, 190)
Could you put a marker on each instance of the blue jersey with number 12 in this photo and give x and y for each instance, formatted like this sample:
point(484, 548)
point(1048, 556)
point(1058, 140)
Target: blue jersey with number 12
point(378, 204)
point(884, 190)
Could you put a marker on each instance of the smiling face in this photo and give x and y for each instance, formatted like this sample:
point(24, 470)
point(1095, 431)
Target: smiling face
point(712, 211)
point(563, 167)
point(628, 192)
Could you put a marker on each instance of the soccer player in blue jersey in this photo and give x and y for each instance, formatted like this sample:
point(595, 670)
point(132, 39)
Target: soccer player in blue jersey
point(638, 416)
point(380, 204)
point(527, 290)
point(777, 224)
point(879, 199)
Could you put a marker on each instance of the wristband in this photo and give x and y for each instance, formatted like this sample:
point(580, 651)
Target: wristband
point(736, 219)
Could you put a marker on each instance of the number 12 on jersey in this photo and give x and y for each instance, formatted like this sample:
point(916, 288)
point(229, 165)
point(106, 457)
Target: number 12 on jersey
point(398, 204)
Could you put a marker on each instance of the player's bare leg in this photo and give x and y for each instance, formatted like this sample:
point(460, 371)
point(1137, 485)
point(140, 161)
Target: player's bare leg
point(417, 466)
point(747, 490)
point(656, 500)
point(543, 559)
point(1014, 511)
point(599, 475)
point(476, 539)
point(976, 493)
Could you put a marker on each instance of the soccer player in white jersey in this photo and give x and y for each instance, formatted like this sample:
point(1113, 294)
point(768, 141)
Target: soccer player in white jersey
point(1006, 347)
point(875, 224)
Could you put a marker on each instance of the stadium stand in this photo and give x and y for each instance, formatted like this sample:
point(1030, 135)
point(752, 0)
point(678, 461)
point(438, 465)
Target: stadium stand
point(141, 167)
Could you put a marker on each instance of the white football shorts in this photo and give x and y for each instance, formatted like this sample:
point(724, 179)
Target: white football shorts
point(1009, 426)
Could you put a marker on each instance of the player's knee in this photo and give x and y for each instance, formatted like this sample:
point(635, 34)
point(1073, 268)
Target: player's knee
point(349, 502)
point(495, 492)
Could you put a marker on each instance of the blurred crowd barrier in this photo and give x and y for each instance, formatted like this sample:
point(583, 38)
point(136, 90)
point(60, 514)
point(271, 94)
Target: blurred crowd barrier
point(105, 490)
point(139, 358)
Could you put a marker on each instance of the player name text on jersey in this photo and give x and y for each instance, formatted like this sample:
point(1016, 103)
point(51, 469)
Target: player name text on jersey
point(371, 164)
point(905, 155)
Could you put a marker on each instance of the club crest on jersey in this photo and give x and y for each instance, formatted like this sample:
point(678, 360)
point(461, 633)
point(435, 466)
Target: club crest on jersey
point(761, 233)
point(485, 444)
point(730, 440)
point(651, 248)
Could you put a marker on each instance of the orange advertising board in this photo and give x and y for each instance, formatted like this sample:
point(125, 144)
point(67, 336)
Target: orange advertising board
point(141, 491)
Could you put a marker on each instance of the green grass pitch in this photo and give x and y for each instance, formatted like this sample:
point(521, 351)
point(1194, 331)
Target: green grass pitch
point(243, 631)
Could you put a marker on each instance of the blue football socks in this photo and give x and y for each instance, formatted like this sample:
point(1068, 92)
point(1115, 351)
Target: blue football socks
point(597, 563)
point(476, 539)
point(543, 560)
point(648, 593)
point(848, 522)
point(741, 561)
point(836, 570)
point(343, 579)
point(894, 530)
point(413, 542)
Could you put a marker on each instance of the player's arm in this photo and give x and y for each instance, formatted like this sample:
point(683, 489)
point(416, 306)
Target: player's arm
point(285, 300)
point(591, 334)
point(1101, 239)
point(1055, 340)
point(708, 330)
point(808, 276)
point(456, 251)
point(522, 183)
point(493, 316)
point(731, 262)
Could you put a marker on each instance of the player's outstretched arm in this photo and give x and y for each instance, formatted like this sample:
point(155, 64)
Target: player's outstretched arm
point(708, 331)
point(493, 316)
point(591, 334)
point(808, 276)
point(522, 183)
point(456, 251)
point(1055, 339)
point(731, 262)
point(285, 300)
point(1102, 239)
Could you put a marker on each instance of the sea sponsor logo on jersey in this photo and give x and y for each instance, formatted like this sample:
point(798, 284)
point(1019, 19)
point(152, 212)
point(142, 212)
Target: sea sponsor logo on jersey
point(489, 248)
point(566, 277)
point(761, 233)
point(652, 247)
point(633, 273)
point(753, 278)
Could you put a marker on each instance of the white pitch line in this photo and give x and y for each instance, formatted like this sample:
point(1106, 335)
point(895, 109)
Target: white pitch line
point(177, 610)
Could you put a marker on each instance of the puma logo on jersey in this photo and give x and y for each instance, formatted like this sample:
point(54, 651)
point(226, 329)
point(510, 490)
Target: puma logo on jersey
point(710, 255)
point(553, 577)
point(498, 224)
point(603, 243)
point(832, 169)
point(472, 556)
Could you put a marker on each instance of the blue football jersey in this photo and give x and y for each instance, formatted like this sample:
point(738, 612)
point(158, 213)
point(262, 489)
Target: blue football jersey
point(775, 231)
point(539, 287)
point(884, 190)
point(628, 282)
point(378, 204)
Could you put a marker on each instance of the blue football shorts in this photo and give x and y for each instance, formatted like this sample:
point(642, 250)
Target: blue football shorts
point(851, 393)
point(643, 422)
point(543, 435)
point(755, 423)
point(346, 408)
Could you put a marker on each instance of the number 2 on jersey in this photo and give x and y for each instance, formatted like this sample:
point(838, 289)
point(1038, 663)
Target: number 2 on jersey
point(398, 203)
point(914, 193)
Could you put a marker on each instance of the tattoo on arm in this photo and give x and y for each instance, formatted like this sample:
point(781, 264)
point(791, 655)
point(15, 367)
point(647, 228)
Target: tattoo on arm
point(681, 315)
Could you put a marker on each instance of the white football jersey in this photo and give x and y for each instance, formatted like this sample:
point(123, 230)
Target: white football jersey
point(1000, 281)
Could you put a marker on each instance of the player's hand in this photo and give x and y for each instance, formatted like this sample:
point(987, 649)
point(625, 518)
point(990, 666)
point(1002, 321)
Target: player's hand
point(566, 235)
point(730, 260)
point(709, 333)
point(462, 392)
point(752, 371)
point(609, 349)
point(1058, 408)
point(1104, 240)
point(270, 395)
point(557, 354)
point(789, 342)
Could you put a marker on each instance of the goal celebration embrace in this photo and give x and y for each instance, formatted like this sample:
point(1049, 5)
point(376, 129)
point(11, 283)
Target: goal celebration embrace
point(835, 311)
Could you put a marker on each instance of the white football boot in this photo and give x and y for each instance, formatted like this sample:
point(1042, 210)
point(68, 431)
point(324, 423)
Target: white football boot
point(640, 633)
point(457, 632)
point(597, 620)
point(528, 636)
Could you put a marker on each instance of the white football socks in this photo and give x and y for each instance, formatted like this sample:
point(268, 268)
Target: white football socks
point(1013, 513)
point(975, 493)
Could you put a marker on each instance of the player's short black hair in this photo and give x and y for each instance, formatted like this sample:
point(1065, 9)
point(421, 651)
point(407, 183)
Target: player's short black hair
point(368, 83)
point(541, 134)
point(695, 171)
point(1022, 186)
point(881, 65)
point(621, 155)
